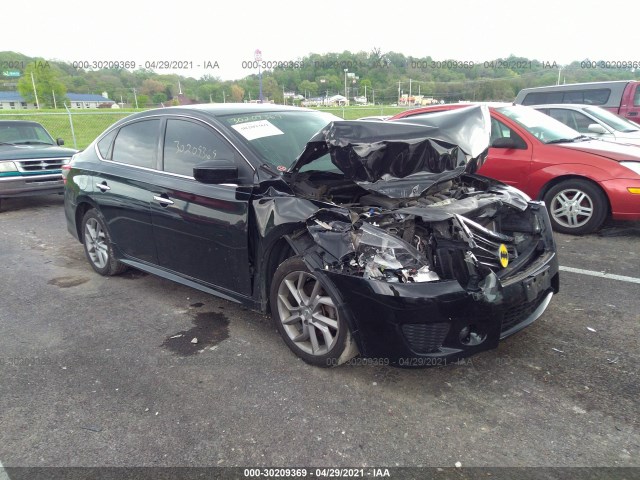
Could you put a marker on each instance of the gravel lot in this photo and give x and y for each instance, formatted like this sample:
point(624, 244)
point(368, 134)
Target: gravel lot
point(91, 376)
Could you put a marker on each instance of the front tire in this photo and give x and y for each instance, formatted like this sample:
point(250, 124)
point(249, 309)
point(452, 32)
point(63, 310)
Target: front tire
point(307, 318)
point(576, 207)
point(98, 246)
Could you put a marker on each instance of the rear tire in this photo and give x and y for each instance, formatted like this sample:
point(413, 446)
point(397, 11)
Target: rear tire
point(98, 246)
point(306, 316)
point(576, 207)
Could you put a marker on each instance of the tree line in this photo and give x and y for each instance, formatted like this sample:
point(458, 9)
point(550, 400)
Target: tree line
point(377, 76)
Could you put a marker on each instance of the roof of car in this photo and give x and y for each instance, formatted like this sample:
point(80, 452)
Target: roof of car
point(217, 109)
point(449, 106)
point(577, 106)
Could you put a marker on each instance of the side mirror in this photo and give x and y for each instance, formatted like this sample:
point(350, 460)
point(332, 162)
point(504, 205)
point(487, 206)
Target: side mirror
point(597, 128)
point(60, 142)
point(504, 142)
point(216, 172)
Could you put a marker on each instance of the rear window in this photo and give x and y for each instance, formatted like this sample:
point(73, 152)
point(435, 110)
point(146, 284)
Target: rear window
point(104, 145)
point(598, 96)
point(539, 98)
point(136, 144)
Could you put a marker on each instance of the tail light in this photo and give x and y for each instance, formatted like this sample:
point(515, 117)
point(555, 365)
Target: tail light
point(66, 168)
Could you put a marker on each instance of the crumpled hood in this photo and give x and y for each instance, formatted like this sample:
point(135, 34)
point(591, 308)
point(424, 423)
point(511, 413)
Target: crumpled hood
point(404, 158)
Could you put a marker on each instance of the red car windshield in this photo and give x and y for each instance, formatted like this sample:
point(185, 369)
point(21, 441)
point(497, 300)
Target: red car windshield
point(541, 126)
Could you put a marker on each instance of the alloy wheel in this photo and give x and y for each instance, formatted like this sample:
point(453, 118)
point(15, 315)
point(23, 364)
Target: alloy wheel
point(571, 208)
point(96, 243)
point(308, 315)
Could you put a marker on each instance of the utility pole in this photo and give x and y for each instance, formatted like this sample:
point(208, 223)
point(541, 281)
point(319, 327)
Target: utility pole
point(345, 83)
point(54, 98)
point(135, 97)
point(33, 82)
point(409, 99)
point(399, 85)
point(559, 72)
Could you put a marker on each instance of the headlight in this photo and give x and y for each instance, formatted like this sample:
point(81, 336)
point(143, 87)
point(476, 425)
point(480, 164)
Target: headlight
point(633, 166)
point(388, 258)
point(8, 167)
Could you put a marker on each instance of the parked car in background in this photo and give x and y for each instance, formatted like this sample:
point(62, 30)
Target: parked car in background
point(370, 237)
point(594, 121)
point(30, 160)
point(621, 97)
point(581, 180)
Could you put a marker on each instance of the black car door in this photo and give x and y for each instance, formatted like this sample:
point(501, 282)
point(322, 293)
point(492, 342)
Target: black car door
point(201, 229)
point(123, 190)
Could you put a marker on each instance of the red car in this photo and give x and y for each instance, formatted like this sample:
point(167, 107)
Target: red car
point(581, 180)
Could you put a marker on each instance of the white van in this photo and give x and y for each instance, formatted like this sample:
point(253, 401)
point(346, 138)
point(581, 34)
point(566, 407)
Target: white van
point(621, 97)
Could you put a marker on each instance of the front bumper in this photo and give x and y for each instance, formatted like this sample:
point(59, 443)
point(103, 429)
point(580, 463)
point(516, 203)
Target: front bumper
point(27, 185)
point(624, 205)
point(433, 323)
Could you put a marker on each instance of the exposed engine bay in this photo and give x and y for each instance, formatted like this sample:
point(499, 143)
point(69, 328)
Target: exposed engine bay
point(463, 229)
point(407, 206)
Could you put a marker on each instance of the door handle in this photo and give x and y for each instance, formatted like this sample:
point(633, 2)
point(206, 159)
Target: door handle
point(165, 202)
point(632, 114)
point(103, 186)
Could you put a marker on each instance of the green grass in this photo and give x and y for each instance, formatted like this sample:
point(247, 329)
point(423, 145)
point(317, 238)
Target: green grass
point(88, 124)
point(353, 113)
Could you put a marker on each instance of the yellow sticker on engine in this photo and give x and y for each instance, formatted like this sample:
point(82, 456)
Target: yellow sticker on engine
point(503, 255)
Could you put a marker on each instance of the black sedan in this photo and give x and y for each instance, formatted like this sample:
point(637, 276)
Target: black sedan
point(360, 237)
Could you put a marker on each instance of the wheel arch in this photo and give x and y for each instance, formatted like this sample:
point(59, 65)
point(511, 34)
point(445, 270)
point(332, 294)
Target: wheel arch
point(273, 250)
point(83, 206)
point(557, 180)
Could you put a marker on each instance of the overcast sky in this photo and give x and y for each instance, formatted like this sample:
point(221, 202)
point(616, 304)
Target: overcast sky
point(230, 31)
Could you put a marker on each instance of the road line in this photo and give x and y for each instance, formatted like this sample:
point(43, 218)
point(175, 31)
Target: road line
point(592, 273)
point(3, 473)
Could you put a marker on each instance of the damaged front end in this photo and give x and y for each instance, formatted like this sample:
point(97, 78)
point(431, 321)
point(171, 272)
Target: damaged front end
point(431, 261)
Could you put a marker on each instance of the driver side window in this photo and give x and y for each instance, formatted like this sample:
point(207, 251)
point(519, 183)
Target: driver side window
point(499, 130)
point(186, 144)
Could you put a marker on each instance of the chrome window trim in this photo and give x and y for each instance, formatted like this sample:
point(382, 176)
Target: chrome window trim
point(166, 116)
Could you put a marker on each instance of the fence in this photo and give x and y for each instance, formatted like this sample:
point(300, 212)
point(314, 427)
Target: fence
point(77, 129)
point(355, 112)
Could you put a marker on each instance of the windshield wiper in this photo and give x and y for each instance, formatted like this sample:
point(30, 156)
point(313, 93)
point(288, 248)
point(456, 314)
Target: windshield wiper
point(6, 143)
point(33, 142)
point(565, 140)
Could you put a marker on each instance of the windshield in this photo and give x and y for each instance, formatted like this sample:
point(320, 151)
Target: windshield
point(541, 126)
point(24, 134)
point(278, 137)
point(613, 120)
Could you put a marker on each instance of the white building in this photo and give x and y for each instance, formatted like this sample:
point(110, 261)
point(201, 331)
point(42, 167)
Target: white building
point(14, 101)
